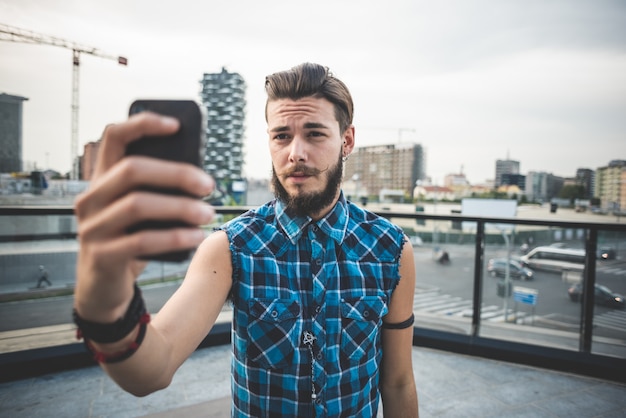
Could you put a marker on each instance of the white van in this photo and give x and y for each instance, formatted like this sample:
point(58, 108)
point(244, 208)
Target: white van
point(555, 259)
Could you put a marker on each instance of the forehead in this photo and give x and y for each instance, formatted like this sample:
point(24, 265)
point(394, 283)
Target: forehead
point(283, 111)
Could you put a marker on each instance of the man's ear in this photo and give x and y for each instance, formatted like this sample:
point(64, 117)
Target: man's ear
point(348, 141)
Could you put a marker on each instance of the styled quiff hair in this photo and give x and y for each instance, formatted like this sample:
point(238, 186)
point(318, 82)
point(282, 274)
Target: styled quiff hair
point(306, 80)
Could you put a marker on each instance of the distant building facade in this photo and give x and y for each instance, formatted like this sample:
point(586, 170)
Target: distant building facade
point(384, 168)
point(586, 177)
point(11, 116)
point(88, 160)
point(541, 186)
point(435, 193)
point(510, 179)
point(223, 97)
point(459, 184)
point(455, 180)
point(611, 186)
point(505, 167)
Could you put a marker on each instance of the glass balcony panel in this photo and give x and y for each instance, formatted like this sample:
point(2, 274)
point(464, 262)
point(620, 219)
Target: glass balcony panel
point(529, 296)
point(609, 315)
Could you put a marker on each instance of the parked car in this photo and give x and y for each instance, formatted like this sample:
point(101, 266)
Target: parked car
point(497, 267)
point(603, 296)
point(606, 253)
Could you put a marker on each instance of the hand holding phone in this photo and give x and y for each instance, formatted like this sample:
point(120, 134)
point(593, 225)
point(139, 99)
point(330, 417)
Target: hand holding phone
point(183, 146)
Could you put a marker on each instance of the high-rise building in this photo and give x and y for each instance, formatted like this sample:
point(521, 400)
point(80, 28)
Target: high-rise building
point(392, 167)
point(11, 133)
point(611, 186)
point(223, 97)
point(586, 178)
point(505, 167)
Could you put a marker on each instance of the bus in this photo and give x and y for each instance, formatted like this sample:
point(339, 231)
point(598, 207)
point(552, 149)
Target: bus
point(555, 259)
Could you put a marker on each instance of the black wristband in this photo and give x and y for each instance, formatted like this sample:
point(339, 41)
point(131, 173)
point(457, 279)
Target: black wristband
point(122, 355)
point(400, 325)
point(112, 332)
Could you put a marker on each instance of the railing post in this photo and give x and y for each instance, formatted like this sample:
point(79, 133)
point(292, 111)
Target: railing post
point(588, 285)
point(478, 274)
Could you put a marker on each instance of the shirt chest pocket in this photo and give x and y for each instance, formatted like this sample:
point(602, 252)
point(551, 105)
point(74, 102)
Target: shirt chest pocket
point(360, 320)
point(273, 331)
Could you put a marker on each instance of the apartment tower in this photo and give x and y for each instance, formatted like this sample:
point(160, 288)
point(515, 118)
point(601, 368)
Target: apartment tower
point(223, 97)
point(386, 167)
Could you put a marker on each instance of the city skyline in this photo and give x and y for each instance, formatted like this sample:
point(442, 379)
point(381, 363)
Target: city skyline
point(472, 82)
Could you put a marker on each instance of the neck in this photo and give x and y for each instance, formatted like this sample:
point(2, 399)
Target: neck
point(324, 211)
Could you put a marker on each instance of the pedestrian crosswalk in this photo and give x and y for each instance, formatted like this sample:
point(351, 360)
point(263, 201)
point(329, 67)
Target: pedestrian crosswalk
point(432, 301)
point(613, 270)
point(613, 319)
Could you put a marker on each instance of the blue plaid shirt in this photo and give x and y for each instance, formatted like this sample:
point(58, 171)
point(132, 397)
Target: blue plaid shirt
point(308, 301)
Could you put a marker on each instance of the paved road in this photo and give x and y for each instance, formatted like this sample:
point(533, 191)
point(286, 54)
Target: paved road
point(450, 292)
point(57, 310)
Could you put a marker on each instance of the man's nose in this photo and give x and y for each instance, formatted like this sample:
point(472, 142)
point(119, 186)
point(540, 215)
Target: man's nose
point(297, 151)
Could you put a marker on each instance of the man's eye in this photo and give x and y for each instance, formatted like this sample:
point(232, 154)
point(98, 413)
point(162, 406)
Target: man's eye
point(281, 137)
point(315, 133)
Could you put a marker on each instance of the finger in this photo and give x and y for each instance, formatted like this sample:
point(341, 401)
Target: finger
point(136, 207)
point(150, 242)
point(116, 137)
point(142, 172)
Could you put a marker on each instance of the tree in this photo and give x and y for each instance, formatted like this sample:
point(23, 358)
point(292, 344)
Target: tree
point(572, 192)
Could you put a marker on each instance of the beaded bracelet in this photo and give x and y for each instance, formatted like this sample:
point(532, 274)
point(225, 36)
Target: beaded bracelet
point(112, 332)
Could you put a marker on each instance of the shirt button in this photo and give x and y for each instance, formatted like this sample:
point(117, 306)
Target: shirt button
point(366, 314)
point(319, 356)
point(318, 309)
point(274, 314)
point(318, 262)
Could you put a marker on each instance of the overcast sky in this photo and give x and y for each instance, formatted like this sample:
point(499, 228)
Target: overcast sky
point(541, 82)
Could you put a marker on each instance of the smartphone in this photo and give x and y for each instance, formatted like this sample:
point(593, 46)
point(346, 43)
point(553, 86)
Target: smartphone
point(186, 145)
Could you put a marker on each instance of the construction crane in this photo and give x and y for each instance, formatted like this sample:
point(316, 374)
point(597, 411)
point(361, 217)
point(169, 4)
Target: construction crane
point(13, 34)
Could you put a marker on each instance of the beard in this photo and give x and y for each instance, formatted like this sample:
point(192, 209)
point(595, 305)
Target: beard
point(312, 203)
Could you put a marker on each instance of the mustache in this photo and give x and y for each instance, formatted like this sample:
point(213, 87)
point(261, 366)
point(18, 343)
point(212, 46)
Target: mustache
point(302, 169)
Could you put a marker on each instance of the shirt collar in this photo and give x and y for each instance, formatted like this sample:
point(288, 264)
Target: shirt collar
point(334, 224)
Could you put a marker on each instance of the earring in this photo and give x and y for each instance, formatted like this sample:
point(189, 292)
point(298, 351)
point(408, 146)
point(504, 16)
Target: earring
point(344, 158)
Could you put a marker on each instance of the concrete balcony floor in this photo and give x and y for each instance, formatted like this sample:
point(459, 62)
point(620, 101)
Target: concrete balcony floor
point(449, 385)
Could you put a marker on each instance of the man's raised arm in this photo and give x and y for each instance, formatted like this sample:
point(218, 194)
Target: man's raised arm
point(108, 261)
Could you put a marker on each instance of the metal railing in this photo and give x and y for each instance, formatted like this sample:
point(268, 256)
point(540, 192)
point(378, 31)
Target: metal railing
point(583, 360)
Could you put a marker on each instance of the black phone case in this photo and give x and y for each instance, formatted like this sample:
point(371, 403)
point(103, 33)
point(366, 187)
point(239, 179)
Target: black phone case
point(183, 146)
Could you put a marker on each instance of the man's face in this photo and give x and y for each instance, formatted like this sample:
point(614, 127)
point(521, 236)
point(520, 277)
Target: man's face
point(306, 148)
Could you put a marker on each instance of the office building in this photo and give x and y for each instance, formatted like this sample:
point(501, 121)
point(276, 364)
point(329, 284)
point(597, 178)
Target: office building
point(509, 179)
point(542, 186)
point(505, 167)
point(223, 97)
point(11, 116)
point(392, 169)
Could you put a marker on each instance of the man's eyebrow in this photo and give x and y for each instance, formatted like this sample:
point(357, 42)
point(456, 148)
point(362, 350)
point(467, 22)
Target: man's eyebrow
point(315, 125)
point(308, 125)
point(280, 129)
